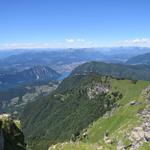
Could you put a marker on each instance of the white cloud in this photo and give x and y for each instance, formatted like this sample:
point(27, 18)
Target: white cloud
point(67, 43)
point(76, 43)
point(24, 45)
point(70, 40)
point(80, 40)
point(136, 42)
point(79, 43)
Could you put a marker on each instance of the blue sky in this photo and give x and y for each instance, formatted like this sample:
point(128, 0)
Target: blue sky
point(74, 23)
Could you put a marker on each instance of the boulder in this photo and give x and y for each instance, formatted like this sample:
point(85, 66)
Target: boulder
point(137, 134)
point(100, 148)
point(133, 103)
point(108, 141)
point(120, 146)
point(147, 136)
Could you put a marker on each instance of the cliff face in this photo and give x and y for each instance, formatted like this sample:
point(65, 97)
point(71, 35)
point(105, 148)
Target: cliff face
point(11, 136)
point(1, 137)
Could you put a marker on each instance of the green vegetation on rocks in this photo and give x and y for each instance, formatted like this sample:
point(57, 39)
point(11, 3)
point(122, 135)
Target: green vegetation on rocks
point(11, 136)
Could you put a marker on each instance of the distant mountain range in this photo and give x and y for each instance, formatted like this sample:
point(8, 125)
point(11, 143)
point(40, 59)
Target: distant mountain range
point(36, 73)
point(135, 72)
point(140, 59)
point(66, 59)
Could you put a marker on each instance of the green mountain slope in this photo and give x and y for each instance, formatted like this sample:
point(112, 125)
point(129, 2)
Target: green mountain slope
point(92, 112)
point(119, 124)
point(71, 108)
point(140, 59)
point(137, 72)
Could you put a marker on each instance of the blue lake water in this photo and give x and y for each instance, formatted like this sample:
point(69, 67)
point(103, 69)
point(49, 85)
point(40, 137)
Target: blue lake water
point(64, 75)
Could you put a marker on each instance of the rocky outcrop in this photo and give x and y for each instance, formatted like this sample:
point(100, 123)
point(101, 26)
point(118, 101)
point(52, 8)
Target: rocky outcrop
point(97, 89)
point(11, 136)
point(141, 134)
point(1, 137)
